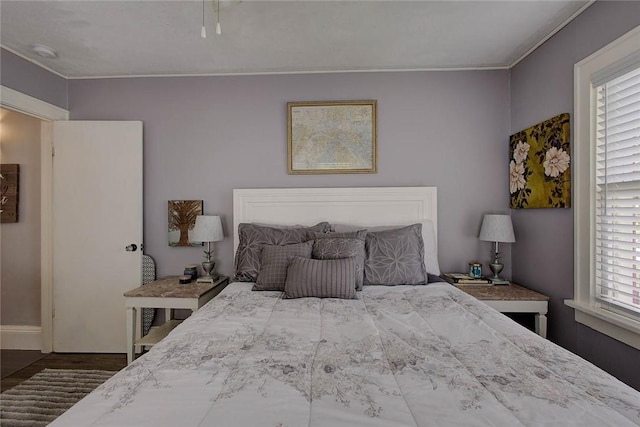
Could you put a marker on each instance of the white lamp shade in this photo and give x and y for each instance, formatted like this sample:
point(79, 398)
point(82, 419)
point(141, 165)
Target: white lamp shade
point(497, 228)
point(207, 229)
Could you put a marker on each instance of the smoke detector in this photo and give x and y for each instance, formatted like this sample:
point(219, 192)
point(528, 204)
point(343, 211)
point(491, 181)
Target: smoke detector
point(44, 51)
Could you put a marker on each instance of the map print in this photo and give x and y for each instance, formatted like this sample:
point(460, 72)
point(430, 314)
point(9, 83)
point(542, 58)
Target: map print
point(332, 137)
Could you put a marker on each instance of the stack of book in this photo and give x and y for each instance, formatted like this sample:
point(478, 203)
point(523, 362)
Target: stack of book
point(465, 279)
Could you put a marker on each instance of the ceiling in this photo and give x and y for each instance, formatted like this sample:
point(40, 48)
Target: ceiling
point(142, 38)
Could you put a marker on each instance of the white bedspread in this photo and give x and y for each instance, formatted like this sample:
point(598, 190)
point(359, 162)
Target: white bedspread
point(396, 356)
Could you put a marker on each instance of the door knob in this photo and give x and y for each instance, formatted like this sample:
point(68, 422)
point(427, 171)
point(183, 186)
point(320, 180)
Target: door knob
point(131, 248)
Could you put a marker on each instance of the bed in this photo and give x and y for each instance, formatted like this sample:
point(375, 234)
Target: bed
point(404, 355)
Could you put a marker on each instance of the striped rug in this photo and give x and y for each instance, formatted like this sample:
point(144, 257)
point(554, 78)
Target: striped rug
point(45, 396)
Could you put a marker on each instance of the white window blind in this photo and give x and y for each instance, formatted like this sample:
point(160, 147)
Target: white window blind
point(617, 198)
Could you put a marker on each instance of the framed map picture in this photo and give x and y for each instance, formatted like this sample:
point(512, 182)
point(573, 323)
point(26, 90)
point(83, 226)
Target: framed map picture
point(332, 137)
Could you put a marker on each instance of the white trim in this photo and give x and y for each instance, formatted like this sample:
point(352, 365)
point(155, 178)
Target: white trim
point(20, 337)
point(46, 236)
point(587, 311)
point(34, 62)
point(618, 327)
point(18, 101)
point(276, 73)
point(552, 33)
point(618, 49)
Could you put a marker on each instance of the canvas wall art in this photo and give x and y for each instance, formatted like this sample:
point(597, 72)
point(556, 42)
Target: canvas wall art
point(332, 137)
point(182, 218)
point(540, 165)
point(9, 192)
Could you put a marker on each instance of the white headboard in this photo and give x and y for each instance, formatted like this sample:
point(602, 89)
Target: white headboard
point(367, 206)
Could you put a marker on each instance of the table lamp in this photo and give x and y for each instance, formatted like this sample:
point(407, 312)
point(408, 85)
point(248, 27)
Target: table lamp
point(207, 229)
point(498, 229)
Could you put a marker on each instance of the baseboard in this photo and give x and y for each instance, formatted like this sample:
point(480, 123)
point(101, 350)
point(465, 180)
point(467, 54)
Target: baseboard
point(20, 337)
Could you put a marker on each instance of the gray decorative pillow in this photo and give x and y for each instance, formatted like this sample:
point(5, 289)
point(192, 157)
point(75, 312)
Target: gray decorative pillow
point(428, 239)
point(274, 263)
point(395, 257)
point(333, 278)
point(253, 237)
point(342, 245)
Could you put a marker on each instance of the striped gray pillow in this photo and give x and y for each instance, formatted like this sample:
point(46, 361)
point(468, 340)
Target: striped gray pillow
point(330, 278)
point(274, 263)
point(342, 245)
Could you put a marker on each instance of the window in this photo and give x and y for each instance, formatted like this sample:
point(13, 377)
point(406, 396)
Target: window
point(607, 190)
point(617, 193)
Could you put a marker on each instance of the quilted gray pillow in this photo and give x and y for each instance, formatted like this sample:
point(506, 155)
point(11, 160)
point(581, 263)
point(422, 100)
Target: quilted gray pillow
point(395, 257)
point(251, 239)
point(342, 245)
point(333, 278)
point(274, 263)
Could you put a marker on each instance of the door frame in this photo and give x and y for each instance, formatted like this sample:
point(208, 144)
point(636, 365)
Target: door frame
point(23, 103)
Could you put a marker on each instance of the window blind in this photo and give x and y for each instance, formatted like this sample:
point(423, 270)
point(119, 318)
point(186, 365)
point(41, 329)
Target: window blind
point(617, 193)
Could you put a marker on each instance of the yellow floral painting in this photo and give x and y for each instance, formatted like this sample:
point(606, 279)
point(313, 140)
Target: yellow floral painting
point(540, 165)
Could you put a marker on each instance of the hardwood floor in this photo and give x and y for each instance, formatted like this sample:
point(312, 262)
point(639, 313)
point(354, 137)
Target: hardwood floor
point(12, 361)
point(107, 362)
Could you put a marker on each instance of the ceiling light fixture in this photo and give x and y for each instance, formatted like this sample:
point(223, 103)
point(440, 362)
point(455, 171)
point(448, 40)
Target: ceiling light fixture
point(218, 29)
point(44, 51)
point(203, 32)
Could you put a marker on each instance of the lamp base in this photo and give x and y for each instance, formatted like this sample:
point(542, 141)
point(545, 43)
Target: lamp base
point(207, 279)
point(496, 268)
point(207, 266)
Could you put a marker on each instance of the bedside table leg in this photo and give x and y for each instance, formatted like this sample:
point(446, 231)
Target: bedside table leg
point(541, 324)
point(131, 333)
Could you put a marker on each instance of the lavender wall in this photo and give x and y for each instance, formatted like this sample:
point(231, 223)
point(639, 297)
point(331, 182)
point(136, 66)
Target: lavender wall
point(205, 136)
point(21, 75)
point(20, 241)
point(542, 87)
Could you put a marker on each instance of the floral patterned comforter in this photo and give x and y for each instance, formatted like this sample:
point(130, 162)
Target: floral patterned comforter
point(396, 356)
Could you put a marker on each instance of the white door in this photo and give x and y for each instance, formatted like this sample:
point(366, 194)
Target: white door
point(97, 213)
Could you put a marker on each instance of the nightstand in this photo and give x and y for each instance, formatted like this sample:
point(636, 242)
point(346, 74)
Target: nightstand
point(513, 298)
point(169, 294)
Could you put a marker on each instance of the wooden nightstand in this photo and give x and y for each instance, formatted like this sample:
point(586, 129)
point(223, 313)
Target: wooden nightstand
point(513, 298)
point(169, 294)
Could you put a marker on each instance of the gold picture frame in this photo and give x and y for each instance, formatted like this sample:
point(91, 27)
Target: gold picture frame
point(332, 137)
